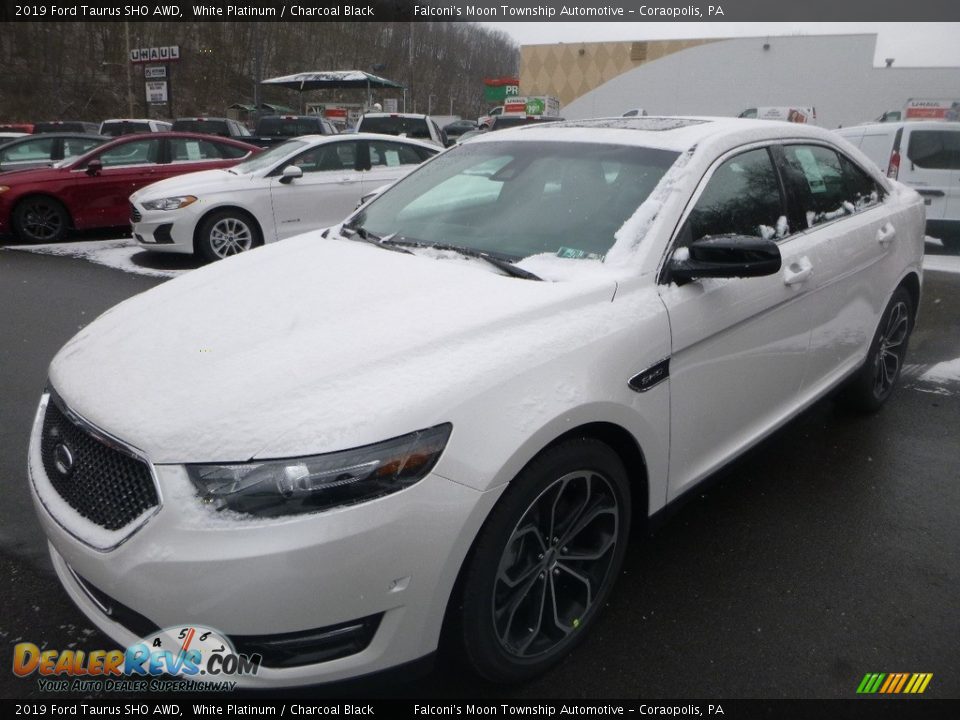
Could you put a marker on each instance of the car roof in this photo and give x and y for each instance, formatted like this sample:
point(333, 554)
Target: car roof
point(351, 137)
point(146, 120)
point(416, 116)
point(951, 125)
point(123, 139)
point(667, 133)
point(43, 136)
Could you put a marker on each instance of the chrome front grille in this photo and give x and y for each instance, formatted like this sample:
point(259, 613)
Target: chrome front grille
point(106, 485)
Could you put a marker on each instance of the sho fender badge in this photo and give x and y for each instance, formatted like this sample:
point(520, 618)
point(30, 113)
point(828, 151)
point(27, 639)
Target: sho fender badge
point(650, 377)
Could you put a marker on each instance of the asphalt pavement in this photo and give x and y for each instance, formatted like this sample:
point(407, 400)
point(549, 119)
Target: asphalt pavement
point(829, 551)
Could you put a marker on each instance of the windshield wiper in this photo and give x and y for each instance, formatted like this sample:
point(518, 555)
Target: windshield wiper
point(508, 267)
point(362, 234)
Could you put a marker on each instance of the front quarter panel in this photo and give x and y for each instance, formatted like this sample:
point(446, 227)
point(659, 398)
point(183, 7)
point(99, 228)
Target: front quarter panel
point(586, 384)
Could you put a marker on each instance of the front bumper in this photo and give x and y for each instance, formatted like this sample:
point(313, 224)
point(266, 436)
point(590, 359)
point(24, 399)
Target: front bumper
point(397, 557)
point(163, 230)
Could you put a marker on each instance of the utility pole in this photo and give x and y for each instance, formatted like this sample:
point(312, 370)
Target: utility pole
point(410, 72)
point(126, 34)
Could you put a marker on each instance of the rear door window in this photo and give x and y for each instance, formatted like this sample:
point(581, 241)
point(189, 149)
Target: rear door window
point(861, 189)
point(935, 149)
point(826, 185)
point(817, 183)
point(393, 154)
point(191, 150)
point(78, 146)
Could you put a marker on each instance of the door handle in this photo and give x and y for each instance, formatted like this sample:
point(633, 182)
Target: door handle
point(886, 233)
point(797, 272)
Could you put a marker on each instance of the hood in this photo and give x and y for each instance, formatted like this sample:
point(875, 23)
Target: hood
point(33, 175)
point(312, 345)
point(194, 183)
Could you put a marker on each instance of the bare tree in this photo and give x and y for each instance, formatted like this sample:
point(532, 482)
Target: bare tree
point(59, 70)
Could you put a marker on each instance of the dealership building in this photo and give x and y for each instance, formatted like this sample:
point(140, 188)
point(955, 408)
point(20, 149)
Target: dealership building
point(833, 73)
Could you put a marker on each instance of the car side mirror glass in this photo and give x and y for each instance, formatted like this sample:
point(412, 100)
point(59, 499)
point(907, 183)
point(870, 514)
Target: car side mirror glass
point(290, 173)
point(94, 167)
point(725, 256)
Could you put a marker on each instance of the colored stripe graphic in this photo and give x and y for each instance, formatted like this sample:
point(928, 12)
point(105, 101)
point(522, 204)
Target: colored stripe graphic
point(894, 683)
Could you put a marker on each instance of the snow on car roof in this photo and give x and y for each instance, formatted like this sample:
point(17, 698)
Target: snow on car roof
point(667, 133)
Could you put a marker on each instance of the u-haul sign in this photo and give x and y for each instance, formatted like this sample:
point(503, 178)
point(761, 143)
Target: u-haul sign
point(167, 53)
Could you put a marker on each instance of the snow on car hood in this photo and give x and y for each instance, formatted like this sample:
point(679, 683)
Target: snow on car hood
point(194, 183)
point(312, 345)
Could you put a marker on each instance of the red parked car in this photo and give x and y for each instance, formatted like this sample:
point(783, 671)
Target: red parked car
point(92, 191)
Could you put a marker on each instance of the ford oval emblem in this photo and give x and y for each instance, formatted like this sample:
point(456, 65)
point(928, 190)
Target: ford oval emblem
point(63, 459)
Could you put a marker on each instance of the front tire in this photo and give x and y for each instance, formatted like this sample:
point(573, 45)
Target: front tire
point(40, 219)
point(545, 561)
point(873, 384)
point(226, 233)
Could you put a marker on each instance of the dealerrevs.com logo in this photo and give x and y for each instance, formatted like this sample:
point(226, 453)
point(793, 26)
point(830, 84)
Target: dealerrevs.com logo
point(196, 658)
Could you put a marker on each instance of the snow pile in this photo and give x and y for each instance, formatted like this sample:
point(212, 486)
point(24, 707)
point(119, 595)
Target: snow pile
point(942, 263)
point(549, 266)
point(945, 372)
point(323, 345)
point(117, 254)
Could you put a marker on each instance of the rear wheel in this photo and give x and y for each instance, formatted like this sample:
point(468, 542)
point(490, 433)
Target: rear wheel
point(869, 389)
point(227, 233)
point(545, 561)
point(40, 219)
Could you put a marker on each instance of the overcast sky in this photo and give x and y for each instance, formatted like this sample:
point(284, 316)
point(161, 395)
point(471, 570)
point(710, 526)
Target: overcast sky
point(910, 44)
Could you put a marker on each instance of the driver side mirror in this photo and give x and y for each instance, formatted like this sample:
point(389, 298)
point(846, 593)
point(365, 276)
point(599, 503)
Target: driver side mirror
point(290, 173)
point(725, 256)
point(94, 167)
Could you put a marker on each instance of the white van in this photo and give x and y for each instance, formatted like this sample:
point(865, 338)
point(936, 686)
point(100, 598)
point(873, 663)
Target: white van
point(924, 154)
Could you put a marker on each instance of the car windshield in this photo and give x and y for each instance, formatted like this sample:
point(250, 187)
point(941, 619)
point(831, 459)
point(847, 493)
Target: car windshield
point(270, 157)
point(516, 199)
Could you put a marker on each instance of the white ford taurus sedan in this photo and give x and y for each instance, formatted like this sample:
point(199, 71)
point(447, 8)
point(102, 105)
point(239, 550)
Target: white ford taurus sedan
point(456, 403)
point(304, 184)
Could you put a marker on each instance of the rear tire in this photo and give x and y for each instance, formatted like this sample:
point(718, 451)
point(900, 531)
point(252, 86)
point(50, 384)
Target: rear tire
point(545, 561)
point(40, 219)
point(873, 384)
point(226, 233)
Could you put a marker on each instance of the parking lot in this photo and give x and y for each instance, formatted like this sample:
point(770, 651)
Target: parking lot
point(829, 551)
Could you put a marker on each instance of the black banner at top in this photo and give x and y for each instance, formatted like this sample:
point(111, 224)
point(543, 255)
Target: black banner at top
point(482, 10)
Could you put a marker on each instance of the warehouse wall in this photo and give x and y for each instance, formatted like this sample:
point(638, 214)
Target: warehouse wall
point(834, 73)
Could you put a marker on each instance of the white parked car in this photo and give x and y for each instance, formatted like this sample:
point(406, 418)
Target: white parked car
point(457, 403)
point(411, 125)
point(306, 183)
point(128, 126)
point(924, 154)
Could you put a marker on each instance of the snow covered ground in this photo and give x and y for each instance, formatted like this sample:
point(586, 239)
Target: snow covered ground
point(124, 254)
point(120, 254)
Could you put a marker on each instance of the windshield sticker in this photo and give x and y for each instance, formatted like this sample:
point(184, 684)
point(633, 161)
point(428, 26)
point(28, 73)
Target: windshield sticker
point(578, 254)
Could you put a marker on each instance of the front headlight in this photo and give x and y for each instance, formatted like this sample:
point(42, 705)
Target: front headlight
point(170, 203)
point(272, 488)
